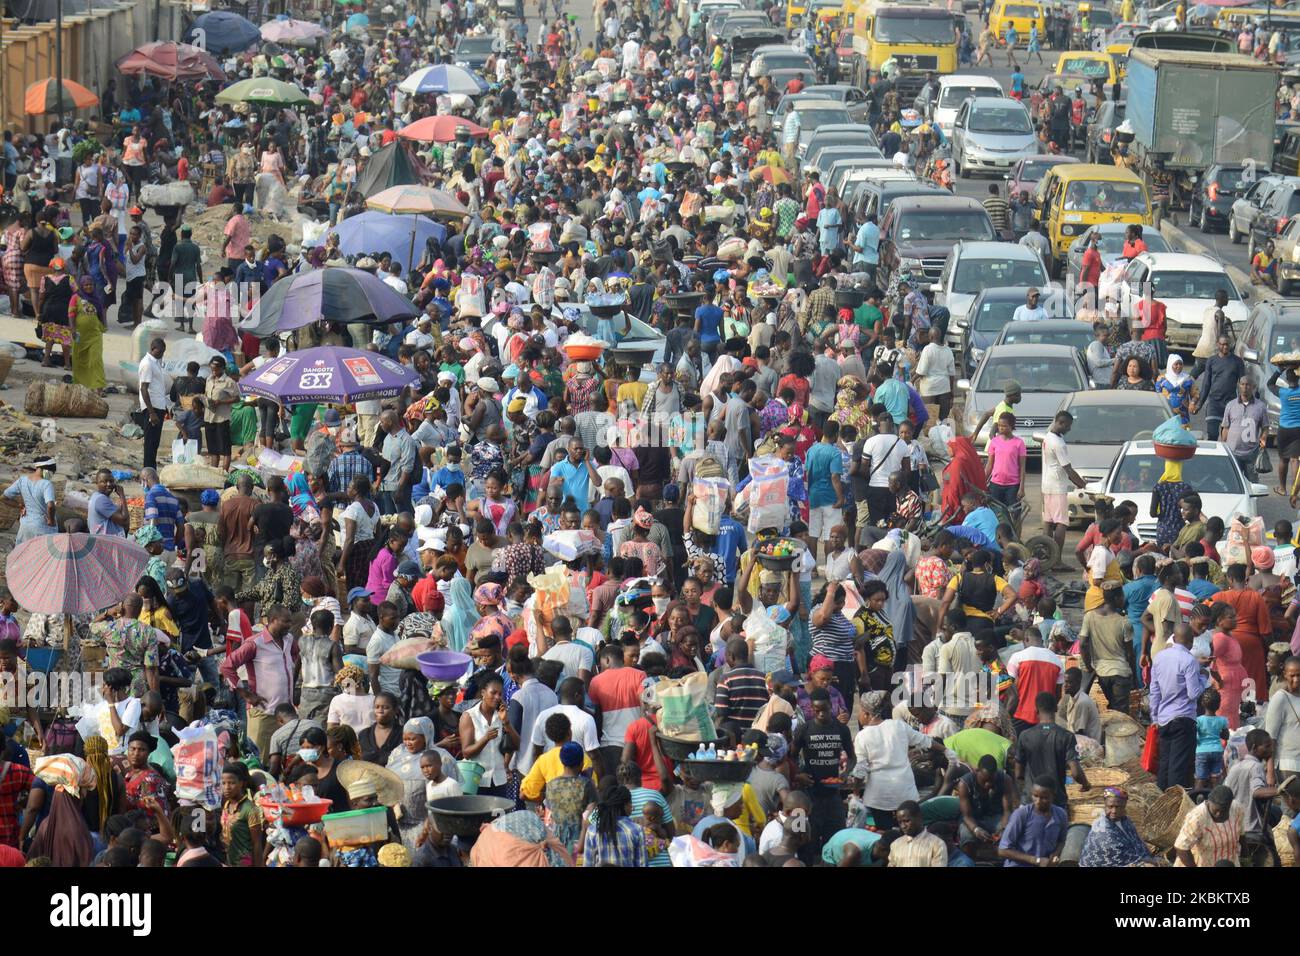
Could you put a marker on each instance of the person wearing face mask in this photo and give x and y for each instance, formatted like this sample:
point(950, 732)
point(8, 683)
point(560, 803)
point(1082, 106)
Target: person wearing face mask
point(313, 749)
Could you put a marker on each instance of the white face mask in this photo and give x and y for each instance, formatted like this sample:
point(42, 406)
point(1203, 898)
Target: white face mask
point(661, 604)
point(266, 562)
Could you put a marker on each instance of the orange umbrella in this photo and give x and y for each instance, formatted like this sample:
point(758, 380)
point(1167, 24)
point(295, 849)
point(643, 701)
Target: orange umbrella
point(43, 97)
point(440, 129)
point(772, 175)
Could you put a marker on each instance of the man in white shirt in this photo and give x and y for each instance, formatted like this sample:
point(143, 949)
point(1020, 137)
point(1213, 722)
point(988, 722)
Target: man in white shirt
point(421, 337)
point(581, 724)
point(882, 455)
point(1058, 478)
point(1035, 240)
point(1031, 311)
point(631, 55)
point(154, 385)
point(394, 278)
point(936, 373)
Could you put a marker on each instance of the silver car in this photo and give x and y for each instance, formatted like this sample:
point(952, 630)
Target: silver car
point(1045, 373)
point(991, 134)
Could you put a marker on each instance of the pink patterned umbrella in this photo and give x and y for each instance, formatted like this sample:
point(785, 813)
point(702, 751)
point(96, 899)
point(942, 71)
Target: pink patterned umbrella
point(73, 573)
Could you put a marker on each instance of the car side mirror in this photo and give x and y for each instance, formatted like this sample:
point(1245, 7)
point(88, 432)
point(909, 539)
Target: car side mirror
point(1093, 488)
point(1250, 355)
point(1258, 490)
point(963, 384)
point(1245, 296)
point(936, 287)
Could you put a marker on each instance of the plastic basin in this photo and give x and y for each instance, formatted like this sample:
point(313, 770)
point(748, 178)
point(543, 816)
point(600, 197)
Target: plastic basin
point(442, 665)
point(295, 814)
point(465, 816)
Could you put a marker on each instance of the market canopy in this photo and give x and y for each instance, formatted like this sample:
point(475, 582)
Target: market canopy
point(372, 232)
point(394, 165)
point(440, 129)
point(289, 30)
point(43, 97)
point(334, 293)
point(73, 573)
point(421, 200)
point(329, 373)
point(171, 61)
point(264, 91)
point(223, 32)
point(444, 78)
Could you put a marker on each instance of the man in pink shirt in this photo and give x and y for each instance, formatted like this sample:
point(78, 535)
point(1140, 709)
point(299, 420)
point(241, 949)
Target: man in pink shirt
point(1005, 467)
point(238, 234)
point(270, 660)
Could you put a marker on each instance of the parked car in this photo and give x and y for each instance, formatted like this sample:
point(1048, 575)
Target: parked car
point(1025, 175)
point(1212, 199)
point(1274, 326)
point(474, 52)
point(992, 309)
point(1104, 419)
point(917, 233)
point(1186, 284)
point(973, 266)
point(1101, 130)
point(1246, 206)
point(1045, 373)
point(1110, 243)
point(1217, 478)
point(991, 134)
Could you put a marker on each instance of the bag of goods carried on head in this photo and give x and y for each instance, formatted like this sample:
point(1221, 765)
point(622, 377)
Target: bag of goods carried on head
point(711, 495)
point(685, 714)
point(769, 493)
point(403, 654)
point(768, 641)
point(470, 298)
point(1242, 535)
point(539, 237)
point(550, 590)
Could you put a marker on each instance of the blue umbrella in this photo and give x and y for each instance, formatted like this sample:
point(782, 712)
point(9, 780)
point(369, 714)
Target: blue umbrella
point(358, 21)
point(444, 78)
point(223, 32)
point(373, 232)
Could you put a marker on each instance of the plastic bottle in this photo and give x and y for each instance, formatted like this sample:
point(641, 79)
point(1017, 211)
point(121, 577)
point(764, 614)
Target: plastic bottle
point(712, 752)
point(701, 754)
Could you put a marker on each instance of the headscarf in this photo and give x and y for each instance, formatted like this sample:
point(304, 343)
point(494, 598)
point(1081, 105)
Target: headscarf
point(898, 606)
point(571, 754)
point(63, 836)
point(1176, 379)
point(350, 672)
point(643, 519)
point(1262, 558)
point(796, 414)
point(964, 473)
point(1173, 471)
point(96, 749)
point(89, 292)
point(460, 614)
point(488, 594)
point(147, 535)
point(404, 763)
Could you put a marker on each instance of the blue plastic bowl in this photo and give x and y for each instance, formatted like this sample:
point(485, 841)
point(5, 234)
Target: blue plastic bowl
point(443, 665)
point(357, 660)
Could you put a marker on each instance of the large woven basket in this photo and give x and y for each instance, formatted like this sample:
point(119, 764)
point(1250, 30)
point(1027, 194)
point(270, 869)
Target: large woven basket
point(1164, 817)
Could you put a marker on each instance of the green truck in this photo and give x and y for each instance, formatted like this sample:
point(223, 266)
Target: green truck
point(1191, 110)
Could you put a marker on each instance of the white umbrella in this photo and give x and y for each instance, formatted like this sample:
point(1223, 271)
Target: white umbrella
point(444, 78)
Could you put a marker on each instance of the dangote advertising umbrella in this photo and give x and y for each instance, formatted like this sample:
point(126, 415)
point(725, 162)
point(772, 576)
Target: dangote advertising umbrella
point(328, 374)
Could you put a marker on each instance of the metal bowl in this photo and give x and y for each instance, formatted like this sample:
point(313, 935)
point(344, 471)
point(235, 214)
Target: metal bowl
point(676, 749)
point(465, 816)
point(719, 771)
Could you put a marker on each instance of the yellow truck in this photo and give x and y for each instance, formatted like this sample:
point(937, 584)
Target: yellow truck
point(919, 39)
point(797, 11)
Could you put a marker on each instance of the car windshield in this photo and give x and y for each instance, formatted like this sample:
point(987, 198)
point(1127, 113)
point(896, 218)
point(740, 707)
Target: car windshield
point(811, 119)
point(999, 119)
point(937, 225)
point(1230, 177)
point(832, 140)
point(1084, 195)
point(1022, 10)
point(1054, 375)
point(991, 316)
point(975, 274)
point(1032, 170)
point(476, 45)
point(1190, 285)
point(1111, 242)
point(786, 61)
point(1285, 337)
point(1214, 474)
point(1076, 338)
point(1086, 66)
point(1113, 424)
point(928, 31)
point(954, 96)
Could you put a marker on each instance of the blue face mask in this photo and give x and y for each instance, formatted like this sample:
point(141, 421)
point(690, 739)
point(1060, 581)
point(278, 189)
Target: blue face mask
point(309, 755)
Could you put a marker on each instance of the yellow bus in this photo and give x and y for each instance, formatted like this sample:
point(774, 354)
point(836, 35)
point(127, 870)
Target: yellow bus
point(919, 39)
point(1233, 19)
point(1022, 14)
point(1093, 65)
point(797, 10)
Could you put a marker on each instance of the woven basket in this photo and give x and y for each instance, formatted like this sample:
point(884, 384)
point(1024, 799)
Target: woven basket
point(1164, 817)
point(135, 510)
point(1099, 698)
point(1284, 852)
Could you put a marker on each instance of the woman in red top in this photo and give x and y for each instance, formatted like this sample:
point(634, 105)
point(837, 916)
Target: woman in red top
point(1134, 244)
point(801, 367)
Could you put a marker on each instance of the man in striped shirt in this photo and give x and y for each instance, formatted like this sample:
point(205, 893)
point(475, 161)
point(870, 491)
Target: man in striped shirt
point(742, 693)
point(998, 209)
point(163, 511)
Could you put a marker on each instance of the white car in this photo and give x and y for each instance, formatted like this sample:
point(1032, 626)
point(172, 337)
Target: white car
point(973, 266)
point(1186, 284)
point(953, 91)
point(1217, 478)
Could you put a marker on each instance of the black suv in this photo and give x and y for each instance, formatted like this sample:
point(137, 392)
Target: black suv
point(1213, 197)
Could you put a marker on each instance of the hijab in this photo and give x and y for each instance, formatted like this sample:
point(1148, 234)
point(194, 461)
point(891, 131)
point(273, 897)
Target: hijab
point(404, 763)
point(88, 291)
point(460, 614)
point(1176, 379)
point(898, 606)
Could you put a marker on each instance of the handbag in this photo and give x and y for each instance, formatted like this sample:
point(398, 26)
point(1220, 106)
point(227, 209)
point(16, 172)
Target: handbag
point(1263, 463)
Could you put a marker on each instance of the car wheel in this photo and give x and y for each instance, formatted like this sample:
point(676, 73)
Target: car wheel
point(962, 171)
point(1045, 549)
point(1233, 235)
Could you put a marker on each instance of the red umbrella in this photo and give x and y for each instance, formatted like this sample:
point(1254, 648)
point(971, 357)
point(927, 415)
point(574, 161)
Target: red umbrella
point(73, 573)
point(440, 129)
point(171, 61)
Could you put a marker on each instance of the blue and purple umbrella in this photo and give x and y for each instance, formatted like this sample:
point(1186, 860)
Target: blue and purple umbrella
point(335, 294)
point(328, 374)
